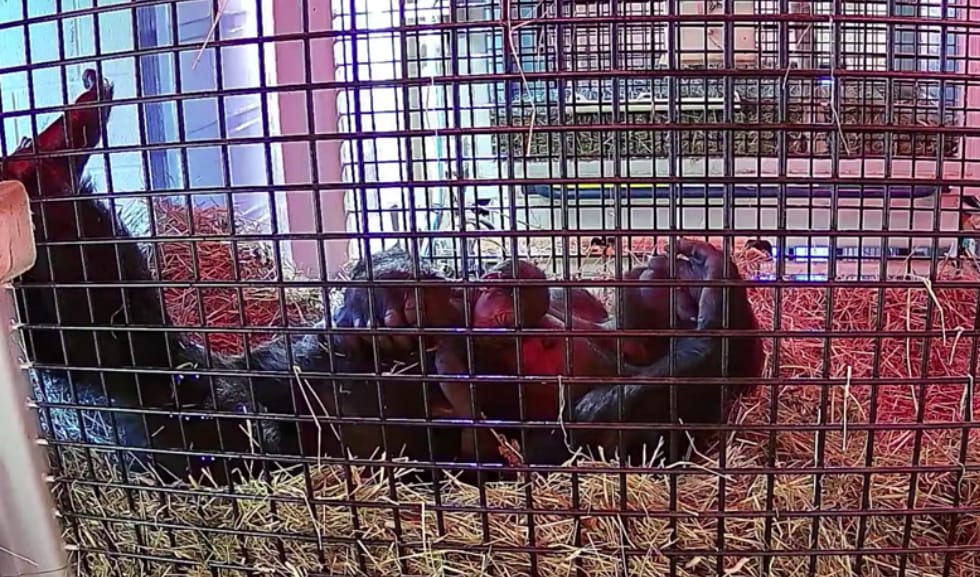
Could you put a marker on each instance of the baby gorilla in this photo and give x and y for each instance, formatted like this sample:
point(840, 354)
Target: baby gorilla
point(388, 306)
point(394, 306)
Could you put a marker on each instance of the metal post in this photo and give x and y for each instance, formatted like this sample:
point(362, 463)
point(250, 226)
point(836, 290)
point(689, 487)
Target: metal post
point(30, 539)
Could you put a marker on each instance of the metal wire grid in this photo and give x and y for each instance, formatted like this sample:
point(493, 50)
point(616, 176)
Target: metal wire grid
point(464, 168)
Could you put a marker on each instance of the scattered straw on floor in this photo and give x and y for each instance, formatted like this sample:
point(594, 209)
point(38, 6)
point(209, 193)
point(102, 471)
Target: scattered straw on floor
point(272, 526)
point(224, 261)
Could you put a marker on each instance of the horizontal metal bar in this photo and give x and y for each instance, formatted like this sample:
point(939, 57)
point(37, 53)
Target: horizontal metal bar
point(673, 471)
point(527, 424)
point(529, 333)
point(684, 191)
point(512, 233)
point(534, 379)
point(415, 508)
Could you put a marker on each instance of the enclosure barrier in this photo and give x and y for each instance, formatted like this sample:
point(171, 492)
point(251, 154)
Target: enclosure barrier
point(508, 287)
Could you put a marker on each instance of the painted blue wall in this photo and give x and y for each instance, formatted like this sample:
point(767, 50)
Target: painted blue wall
point(119, 31)
point(39, 42)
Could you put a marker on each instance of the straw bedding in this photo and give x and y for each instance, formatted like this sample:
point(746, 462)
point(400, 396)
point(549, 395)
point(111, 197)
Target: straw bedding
point(223, 260)
point(536, 141)
point(271, 526)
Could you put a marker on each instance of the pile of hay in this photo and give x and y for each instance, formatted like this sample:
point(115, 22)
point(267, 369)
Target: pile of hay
point(222, 260)
point(821, 119)
point(329, 520)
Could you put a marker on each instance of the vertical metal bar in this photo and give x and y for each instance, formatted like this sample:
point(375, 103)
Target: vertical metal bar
point(30, 534)
point(675, 192)
point(821, 438)
point(782, 96)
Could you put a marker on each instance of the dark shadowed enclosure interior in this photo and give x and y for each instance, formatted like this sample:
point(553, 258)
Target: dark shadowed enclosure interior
point(503, 287)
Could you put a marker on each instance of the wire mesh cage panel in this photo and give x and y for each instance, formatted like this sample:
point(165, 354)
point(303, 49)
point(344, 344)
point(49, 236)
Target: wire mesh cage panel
point(516, 287)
